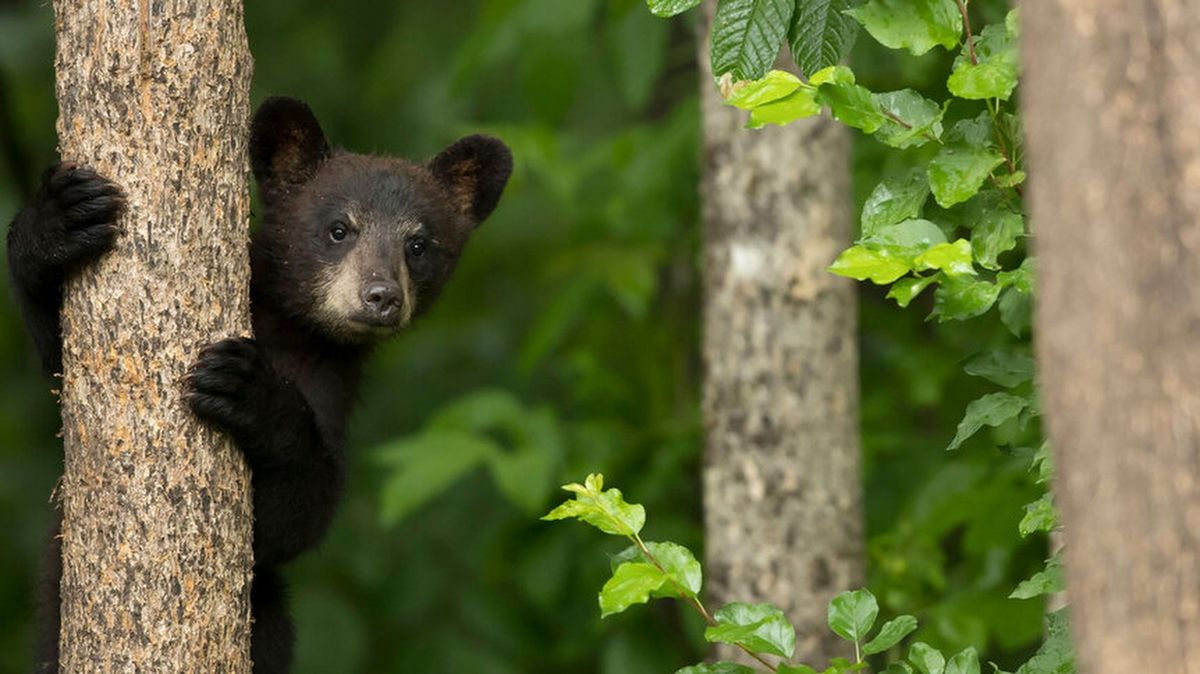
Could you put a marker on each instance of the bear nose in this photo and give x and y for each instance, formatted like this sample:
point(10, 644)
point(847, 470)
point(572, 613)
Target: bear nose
point(381, 297)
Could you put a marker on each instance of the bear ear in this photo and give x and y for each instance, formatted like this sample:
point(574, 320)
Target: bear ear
point(475, 170)
point(286, 144)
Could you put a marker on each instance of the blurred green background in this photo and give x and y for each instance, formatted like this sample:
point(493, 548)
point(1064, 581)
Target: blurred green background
point(567, 343)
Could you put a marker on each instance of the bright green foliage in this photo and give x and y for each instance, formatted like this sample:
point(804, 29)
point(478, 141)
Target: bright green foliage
point(909, 238)
point(852, 105)
point(952, 259)
point(895, 200)
point(906, 289)
point(998, 231)
point(958, 299)
point(632, 583)
point(915, 25)
point(798, 105)
point(681, 569)
point(881, 266)
point(772, 87)
point(747, 35)
point(604, 509)
point(994, 75)
point(966, 662)
point(821, 34)
point(959, 170)
point(666, 8)
point(1039, 516)
point(851, 614)
point(890, 634)
point(759, 628)
point(1047, 581)
point(912, 119)
point(1056, 655)
point(992, 409)
point(926, 659)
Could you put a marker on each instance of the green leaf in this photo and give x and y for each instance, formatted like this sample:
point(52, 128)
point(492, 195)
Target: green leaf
point(992, 409)
point(632, 583)
point(761, 628)
point(906, 289)
point(898, 668)
point(862, 263)
point(798, 105)
point(821, 34)
point(910, 237)
point(795, 669)
point(997, 232)
point(1043, 463)
point(1005, 368)
point(958, 171)
point(1020, 279)
point(774, 86)
point(954, 259)
point(852, 105)
point(851, 614)
point(1016, 312)
point(604, 509)
point(894, 200)
point(911, 119)
point(959, 298)
point(890, 634)
point(682, 569)
point(666, 8)
point(915, 25)
point(926, 658)
point(1048, 581)
point(424, 465)
point(995, 74)
point(716, 668)
point(747, 34)
point(832, 75)
point(1056, 656)
point(966, 662)
point(1039, 516)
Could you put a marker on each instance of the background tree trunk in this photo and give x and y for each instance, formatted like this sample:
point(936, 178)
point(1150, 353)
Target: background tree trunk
point(1114, 131)
point(157, 511)
point(782, 483)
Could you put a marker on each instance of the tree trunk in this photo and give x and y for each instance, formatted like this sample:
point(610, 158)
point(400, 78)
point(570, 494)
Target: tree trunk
point(157, 514)
point(1114, 130)
point(782, 483)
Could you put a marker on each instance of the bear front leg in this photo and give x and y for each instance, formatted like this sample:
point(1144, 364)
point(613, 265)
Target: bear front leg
point(69, 223)
point(297, 478)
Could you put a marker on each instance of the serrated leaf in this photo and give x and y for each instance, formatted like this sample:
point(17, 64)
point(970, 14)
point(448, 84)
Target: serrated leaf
point(890, 634)
point(992, 409)
point(953, 259)
point(798, 105)
point(895, 200)
point(995, 73)
point(821, 34)
point(682, 569)
point(761, 628)
point(772, 87)
point(997, 232)
point(604, 509)
point(961, 297)
point(1001, 367)
point(851, 614)
point(1039, 516)
point(632, 583)
point(959, 170)
point(716, 668)
point(906, 289)
point(1047, 581)
point(966, 662)
point(858, 262)
point(665, 8)
point(1016, 312)
point(852, 105)
point(911, 119)
point(915, 25)
point(926, 658)
point(747, 34)
point(1056, 655)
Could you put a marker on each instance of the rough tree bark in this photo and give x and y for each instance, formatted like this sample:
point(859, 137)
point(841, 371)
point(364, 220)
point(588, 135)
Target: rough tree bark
point(782, 483)
point(157, 514)
point(1114, 137)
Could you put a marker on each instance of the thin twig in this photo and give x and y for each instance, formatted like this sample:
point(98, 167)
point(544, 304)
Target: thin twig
point(962, 9)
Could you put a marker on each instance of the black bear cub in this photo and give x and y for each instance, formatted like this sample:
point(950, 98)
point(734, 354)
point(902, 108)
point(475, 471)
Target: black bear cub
point(350, 249)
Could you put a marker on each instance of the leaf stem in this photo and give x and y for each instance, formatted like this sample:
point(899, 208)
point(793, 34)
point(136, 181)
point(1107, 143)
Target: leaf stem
point(962, 9)
point(694, 601)
point(1002, 143)
point(892, 116)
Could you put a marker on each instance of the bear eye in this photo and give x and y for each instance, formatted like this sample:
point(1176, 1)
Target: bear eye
point(417, 246)
point(338, 232)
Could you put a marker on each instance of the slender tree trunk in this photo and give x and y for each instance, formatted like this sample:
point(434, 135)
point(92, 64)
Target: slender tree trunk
point(782, 479)
point(1114, 130)
point(157, 513)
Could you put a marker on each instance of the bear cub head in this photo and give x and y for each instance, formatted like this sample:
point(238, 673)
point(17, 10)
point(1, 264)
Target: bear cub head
point(354, 246)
